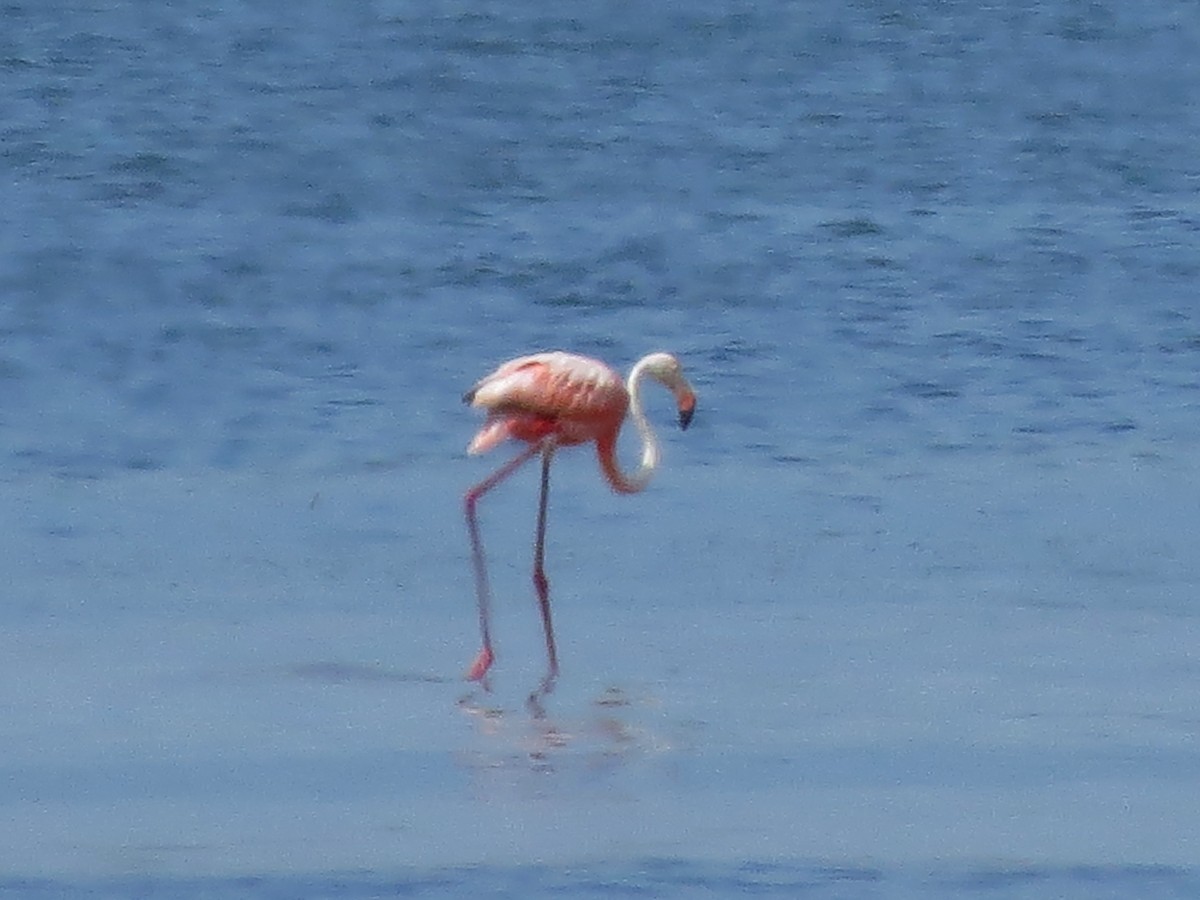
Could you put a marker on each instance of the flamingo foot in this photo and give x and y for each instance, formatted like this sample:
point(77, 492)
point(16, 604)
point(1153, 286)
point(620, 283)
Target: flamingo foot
point(480, 667)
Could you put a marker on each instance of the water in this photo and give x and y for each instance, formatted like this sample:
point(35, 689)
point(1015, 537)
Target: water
point(910, 610)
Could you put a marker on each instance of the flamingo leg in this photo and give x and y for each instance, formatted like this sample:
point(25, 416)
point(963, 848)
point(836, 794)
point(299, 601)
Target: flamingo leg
point(540, 584)
point(483, 594)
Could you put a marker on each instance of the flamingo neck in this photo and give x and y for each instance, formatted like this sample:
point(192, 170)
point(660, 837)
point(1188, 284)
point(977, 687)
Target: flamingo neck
point(631, 482)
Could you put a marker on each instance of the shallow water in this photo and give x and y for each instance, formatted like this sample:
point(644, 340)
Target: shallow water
point(917, 672)
point(910, 610)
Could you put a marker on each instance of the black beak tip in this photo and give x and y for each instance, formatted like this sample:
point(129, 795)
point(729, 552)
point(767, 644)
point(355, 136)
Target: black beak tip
point(685, 418)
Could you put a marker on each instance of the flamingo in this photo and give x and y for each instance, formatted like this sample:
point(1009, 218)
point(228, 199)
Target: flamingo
point(553, 400)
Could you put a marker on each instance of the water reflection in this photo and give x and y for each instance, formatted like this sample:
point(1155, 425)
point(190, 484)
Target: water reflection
point(610, 731)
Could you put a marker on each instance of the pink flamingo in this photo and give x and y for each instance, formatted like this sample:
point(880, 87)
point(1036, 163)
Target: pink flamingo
point(552, 400)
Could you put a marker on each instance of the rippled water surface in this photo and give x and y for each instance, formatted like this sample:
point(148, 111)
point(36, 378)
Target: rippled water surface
point(911, 609)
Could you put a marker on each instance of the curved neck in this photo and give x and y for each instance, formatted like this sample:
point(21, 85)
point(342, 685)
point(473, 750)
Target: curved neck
point(631, 482)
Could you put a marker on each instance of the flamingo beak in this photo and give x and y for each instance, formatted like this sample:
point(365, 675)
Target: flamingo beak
point(687, 408)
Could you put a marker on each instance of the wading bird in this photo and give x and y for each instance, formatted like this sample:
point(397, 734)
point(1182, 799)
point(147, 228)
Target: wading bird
point(552, 400)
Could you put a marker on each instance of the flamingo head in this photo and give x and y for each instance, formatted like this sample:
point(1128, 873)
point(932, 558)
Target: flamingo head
point(666, 369)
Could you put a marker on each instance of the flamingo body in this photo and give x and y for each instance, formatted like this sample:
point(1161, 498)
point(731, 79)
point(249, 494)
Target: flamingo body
point(551, 400)
point(574, 398)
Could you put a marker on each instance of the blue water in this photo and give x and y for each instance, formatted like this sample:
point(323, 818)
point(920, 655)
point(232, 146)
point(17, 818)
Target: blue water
point(910, 610)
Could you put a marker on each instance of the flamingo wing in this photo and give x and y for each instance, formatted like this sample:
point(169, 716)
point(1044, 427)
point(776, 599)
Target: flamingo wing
point(554, 386)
